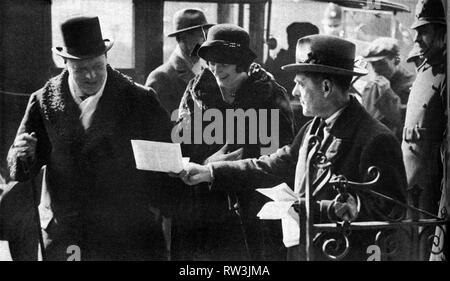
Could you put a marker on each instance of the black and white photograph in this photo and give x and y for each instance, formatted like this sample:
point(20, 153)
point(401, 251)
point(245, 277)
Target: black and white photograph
point(224, 137)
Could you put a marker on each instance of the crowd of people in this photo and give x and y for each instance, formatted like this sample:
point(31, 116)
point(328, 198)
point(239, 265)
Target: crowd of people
point(76, 131)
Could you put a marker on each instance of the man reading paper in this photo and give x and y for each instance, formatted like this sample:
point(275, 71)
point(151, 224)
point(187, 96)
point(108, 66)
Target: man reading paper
point(351, 140)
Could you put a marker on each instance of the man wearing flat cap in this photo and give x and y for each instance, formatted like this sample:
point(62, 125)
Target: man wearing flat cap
point(170, 79)
point(386, 93)
point(343, 132)
point(424, 135)
point(94, 201)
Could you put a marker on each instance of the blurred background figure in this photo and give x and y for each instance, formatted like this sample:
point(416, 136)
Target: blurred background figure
point(170, 79)
point(424, 146)
point(332, 21)
point(295, 31)
point(386, 92)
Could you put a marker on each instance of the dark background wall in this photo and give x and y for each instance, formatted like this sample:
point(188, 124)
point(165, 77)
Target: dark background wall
point(25, 59)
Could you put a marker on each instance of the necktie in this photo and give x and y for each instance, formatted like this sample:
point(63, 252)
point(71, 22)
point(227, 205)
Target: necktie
point(320, 129)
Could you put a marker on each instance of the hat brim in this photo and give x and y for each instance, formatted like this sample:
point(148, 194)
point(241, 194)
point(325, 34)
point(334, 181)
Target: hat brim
point(420, 22)
point(62, 51)
point(210, 51)
point(376, 58)
point(319, 68)
point(207, 25)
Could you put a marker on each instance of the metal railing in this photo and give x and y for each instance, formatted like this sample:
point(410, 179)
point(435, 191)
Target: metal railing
point(392, 239)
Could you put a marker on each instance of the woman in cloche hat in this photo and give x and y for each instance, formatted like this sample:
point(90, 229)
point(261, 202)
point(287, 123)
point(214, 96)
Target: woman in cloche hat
point(231, 81)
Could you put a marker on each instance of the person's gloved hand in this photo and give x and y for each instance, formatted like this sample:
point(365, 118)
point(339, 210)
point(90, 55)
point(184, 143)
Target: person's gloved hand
point(224, 155)
point(346, 209)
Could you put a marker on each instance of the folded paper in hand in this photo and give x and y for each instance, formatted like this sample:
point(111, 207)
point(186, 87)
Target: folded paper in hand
point(158, 156)
point(281, 208)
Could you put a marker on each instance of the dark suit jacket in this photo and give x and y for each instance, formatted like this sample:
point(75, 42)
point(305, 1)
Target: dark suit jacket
point(169, 81)
point(93, 185)
point(359, 142)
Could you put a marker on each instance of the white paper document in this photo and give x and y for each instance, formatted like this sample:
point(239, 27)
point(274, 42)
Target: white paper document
point(5, 254)
point(158, 156)
point(281, 208)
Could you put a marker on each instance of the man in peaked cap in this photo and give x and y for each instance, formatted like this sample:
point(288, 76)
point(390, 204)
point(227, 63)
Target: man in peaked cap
point(95, 205)
point(349, 138)
point(386, 93)
point(426, 118)
point(170, 79)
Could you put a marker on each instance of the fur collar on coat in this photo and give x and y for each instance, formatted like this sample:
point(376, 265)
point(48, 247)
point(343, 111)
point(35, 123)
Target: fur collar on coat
point(255, 92)
point(62, 113)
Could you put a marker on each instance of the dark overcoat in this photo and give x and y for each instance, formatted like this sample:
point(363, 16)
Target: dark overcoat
point(358, 142)
point(93, 195)
point(169, 81)
point(216, 232)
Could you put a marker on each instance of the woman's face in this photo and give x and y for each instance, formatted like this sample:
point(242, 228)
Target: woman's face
point(226, 74)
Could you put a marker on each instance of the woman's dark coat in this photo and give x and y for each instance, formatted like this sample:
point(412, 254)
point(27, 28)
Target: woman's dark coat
point(213, 230)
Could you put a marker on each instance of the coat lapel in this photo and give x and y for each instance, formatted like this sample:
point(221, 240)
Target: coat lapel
point(341, 135)
point(184, 72)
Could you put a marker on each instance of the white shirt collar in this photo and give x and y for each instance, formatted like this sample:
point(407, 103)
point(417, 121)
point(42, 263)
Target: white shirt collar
point(76, 92)
point(332, 119)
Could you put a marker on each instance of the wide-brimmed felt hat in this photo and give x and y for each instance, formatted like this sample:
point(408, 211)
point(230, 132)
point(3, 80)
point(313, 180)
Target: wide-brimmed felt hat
point(381, 48)
point(429, 11)
point(325, 54)
point(227, 43)
point(188, 19)
point(82, 39)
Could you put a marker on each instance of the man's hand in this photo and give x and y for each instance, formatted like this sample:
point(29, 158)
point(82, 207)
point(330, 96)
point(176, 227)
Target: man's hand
point(194, 174)
point(223, 155)
point(346, 210)
point(25, 146)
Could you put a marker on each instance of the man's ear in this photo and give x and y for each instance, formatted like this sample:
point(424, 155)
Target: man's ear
point(326, 87)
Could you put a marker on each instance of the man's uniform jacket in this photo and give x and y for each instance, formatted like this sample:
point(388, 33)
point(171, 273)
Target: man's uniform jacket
point(93, 195)
point(423, 133)
point(170, 81)
point(358, 142)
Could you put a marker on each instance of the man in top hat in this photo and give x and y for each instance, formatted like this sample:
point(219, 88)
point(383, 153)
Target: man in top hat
point(386, 93)
point(95, 205)
point(426, 118)
point(349, 138)
point(332, 21)
point(170, 79)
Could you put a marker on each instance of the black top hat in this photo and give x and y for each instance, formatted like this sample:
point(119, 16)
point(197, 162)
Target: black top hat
point(227, 43)
point(325, 54)
point(188, 19)
point(429, 11)
point(297, 30)
point(82, 39)
point(381, 48)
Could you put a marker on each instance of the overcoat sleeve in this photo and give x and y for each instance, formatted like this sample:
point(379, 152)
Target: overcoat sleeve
point(32, 122)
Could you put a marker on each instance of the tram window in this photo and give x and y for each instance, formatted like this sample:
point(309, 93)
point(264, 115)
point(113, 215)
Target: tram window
point(116, 20)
